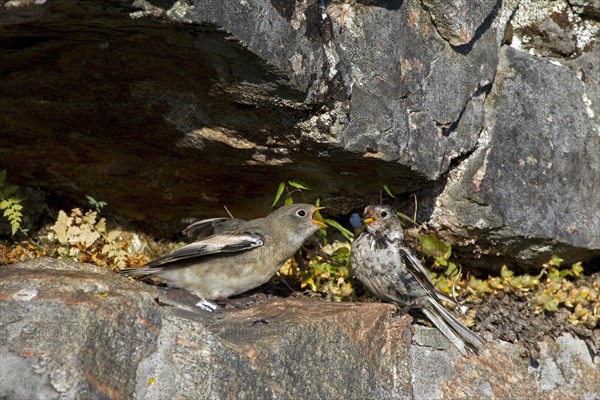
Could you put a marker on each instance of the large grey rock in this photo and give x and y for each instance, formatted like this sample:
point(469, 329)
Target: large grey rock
point(73, 334)
point(531, 189)
point(415, 101)
point(205, 103)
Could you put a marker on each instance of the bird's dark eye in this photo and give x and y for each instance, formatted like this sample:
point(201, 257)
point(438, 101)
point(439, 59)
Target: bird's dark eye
point(383, 214)
point(301, 213)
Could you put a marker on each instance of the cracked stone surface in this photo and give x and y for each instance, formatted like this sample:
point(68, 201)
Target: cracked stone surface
point(514, 176)
point(84, 332)
point(459, 21)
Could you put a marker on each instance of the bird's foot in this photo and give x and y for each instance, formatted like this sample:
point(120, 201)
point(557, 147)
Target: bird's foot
point(401, 311)
point(206, 305)
point(236, 303)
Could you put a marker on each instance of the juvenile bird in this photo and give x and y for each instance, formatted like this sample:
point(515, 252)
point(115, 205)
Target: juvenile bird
point(383, 262)
point(231, 256)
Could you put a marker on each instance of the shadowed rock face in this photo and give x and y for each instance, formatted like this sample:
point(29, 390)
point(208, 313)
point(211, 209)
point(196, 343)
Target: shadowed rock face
point(171, 109)
point(72, 330)
point(217, 102)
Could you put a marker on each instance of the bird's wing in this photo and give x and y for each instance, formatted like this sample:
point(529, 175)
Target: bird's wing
point(208, 227)
point(414, 266)
point(219, 243)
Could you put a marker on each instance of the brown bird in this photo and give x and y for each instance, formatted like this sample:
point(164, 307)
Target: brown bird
point(383, 262)
point(231, 256)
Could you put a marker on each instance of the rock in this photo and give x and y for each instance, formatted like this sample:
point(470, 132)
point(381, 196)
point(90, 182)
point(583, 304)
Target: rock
point(587, 8)
point(562, 29)
point(184, 101)
point(530, 189)
point(414, 101)
point(85, 334)
point(458, 22)
point(71, 333)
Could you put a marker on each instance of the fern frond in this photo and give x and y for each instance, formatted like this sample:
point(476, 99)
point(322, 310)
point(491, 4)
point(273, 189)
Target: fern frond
point(12, 211)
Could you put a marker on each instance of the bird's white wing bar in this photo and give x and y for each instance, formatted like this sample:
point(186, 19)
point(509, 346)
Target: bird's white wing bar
point(225, 243)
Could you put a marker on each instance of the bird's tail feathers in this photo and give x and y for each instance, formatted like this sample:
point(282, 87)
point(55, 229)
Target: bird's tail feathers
point(445, 329)
point(462, 337)
point(140, 272)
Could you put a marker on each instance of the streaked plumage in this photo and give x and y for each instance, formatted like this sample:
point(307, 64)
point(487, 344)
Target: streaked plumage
point(383, 262)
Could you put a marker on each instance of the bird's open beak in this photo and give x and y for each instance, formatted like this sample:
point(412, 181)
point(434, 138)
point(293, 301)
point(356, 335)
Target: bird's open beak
point(317, 219)
point(367, 219)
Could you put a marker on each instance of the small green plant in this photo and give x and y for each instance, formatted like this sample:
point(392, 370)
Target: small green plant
point(10, 204)
point(348, 235)
point(388, 191)
point(98, 205)
point(557, 289)
point(329, 271)
point(296, 187)
point(440, 251)
point(552, 289)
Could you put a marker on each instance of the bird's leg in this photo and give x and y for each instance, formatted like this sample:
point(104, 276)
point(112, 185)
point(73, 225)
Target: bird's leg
point(244, 302)
point(206, 305)
point(236, 303)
